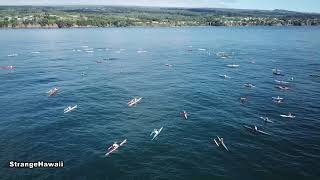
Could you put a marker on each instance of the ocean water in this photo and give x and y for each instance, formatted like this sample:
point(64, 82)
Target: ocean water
point(122, 63)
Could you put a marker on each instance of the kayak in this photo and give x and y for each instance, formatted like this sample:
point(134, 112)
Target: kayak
point(12, 55)
point(224, 76)
point(222, 55)
point(184, 114)
point(315, 75)
point(233, 65)
point(134, 101)
point(224, 146)
point(159, 131)
point(52, 92)
point(277, 72)
point(265, 119)
point(112, 150)
point(281, 82)
point(252, 129)
point(277, 98)
point(138, 100)
point(243, 99)
point(249, 85)
point(216, 142)
point(7, 67)
point(222, 143)
point(141, 51)
point(282, 87)
point(69, 109)
point(278, 101)
point(287, 116)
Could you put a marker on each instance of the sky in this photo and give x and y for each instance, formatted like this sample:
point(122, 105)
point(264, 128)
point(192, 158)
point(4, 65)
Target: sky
point(294, 5)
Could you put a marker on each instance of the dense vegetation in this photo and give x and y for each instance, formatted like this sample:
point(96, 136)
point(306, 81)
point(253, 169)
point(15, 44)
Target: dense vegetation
point(107, 16)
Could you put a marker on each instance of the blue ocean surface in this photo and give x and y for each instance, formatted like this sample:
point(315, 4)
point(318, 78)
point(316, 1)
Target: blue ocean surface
point(100, 70)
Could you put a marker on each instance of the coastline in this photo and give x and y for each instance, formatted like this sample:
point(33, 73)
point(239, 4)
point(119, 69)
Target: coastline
point(106, 27)
point(38, 17)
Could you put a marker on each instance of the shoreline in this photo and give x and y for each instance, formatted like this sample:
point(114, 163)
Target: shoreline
point(105, 17)
point(107, 27)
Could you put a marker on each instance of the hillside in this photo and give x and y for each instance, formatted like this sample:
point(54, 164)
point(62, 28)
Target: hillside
point(110, 16)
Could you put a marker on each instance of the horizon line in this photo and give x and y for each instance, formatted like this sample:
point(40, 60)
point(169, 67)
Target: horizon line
point(146, 6)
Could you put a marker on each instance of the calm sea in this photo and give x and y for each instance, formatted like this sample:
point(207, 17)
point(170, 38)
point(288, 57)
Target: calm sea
point(100, 70)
